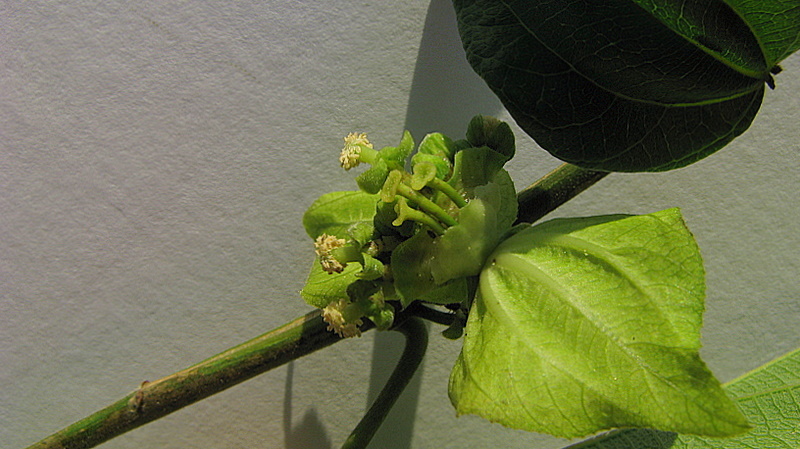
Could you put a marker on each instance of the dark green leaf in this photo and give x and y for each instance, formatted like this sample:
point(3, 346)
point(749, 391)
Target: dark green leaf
point(775, 23)
point(610, 85)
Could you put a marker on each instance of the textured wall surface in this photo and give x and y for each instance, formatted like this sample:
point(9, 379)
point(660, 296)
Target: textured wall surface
point(155, 163)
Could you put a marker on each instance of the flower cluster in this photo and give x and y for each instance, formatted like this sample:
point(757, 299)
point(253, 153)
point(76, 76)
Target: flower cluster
point(332, 314)
point(324, 244)
point(416, 234)
point(351, 153)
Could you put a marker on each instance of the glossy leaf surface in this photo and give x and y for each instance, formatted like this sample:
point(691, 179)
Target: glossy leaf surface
point(625, 85)
point(582, 325)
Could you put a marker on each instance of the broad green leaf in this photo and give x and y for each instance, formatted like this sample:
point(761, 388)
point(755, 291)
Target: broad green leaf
point(612, 86)
point(336, 213)
point(322, 287)
point(775, 23)
point(769, 397)
point(582, 325)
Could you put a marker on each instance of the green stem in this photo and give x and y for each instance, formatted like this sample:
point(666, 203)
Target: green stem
point(426, 205)
point(416, 344)
point(448, 190)
point(156, 399)
point(553, 190)
point(367, 154)
point(406, 212)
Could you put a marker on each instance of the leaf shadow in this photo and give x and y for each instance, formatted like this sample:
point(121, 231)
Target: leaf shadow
point(445, 92)
point(629, 439)
point(310, 432)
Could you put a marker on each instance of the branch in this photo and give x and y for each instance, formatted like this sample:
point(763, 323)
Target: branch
point(553, 190)
point(156, 399)
point(416, 344)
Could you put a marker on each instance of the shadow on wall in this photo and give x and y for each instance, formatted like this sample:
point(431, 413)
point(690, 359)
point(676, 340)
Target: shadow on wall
point(310, 432)
point(445, 95)
point(445, 91)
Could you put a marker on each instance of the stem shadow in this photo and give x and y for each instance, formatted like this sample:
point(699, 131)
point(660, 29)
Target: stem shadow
point(445, 94)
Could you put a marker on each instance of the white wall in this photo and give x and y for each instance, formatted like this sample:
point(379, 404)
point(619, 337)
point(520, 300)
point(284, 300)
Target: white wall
point(156, 161)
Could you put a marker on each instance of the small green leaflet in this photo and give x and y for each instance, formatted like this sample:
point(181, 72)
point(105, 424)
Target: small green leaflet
point(341, 214)
point(768, 397)
point(321, 287)
point(336, 213)
point(582, 325)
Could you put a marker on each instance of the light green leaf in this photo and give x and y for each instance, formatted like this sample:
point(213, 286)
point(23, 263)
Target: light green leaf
point(620, 85)
point(411, 267)
point(322, 287)
point(336, 213)
point(769, 397)
point(475, 167)
point(582, 325)
point(462, 249)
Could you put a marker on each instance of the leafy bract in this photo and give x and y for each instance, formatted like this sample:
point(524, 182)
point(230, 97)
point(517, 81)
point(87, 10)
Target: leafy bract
point(322, 288)
point(768, 397)
point(621, 85)
point(425, 263)
point(581, 325)
point(339, 213)
point(347, 215)
point(463, 249)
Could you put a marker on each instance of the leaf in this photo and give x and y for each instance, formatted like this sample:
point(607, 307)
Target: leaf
point(462, 249)
point(775, 23)
point(336, 212)
point(611, 86)
point(411, 268)
point(581, 325)
point(768, 396)
point(322, 287)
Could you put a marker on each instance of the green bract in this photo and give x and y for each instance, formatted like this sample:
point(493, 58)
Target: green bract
point(582, 325)
point(339, 213)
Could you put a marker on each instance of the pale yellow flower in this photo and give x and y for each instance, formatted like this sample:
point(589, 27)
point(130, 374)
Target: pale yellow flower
point(324, 244)
point(332, 314)
point(350, 156)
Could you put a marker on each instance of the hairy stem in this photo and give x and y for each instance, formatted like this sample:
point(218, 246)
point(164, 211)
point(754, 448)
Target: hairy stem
point(416, 344)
